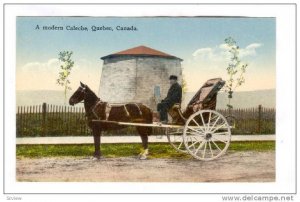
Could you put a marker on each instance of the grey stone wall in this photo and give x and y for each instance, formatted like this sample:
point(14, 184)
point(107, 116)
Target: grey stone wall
point(133, 79)
point(118, 80)
point(153, 72)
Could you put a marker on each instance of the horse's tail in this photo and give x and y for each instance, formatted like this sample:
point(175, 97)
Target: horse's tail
point(147, 117)
point(148, 114)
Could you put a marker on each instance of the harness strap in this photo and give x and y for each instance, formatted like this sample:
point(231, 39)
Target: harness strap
point(93, 109)
point(126, 110)
point(107, 111)
point(139, 109)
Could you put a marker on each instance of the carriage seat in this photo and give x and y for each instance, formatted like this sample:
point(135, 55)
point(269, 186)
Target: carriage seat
point(205, 98)
point(176, 114)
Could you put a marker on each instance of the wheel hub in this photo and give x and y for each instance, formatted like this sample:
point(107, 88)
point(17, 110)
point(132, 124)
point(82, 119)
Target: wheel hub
point(208, 136)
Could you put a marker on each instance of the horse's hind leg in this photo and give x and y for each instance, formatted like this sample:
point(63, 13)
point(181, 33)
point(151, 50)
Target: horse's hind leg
point(144, 141)
point(97, 141)
point(145, 152)
point(144, 132)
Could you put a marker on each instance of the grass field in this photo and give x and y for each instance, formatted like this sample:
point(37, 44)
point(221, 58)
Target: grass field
point(157, 150)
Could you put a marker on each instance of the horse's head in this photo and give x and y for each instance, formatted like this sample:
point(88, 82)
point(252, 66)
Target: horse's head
point(79, 94)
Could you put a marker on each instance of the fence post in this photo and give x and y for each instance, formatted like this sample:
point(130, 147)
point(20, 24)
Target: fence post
point(259, 118)
point(44, 110)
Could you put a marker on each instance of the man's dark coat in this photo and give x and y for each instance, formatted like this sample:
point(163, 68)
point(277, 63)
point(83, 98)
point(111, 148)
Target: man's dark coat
point(174, 95)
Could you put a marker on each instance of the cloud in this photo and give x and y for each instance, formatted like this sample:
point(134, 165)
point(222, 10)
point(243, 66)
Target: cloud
point(224, 46)
point(50, 65)
point(211, 62)
point(203, 52)
point(39, 75)
point(220, 54)
point(250, 50)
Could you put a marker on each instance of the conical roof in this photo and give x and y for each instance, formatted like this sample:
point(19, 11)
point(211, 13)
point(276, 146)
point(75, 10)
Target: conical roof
point(141, 51)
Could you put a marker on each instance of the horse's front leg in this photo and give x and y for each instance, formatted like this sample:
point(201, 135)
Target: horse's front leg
point(143, 132)
point(143, 155)
point(97, 142)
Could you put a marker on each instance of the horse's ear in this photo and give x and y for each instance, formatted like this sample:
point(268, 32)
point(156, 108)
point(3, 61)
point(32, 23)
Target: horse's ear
point(82, 85)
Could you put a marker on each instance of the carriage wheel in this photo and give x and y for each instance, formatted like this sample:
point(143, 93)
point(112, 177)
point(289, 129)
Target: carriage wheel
point(175, 138)
point(206, 135)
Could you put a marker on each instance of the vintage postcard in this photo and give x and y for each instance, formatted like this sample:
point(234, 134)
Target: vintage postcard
point(187, 81)
point(178, 98)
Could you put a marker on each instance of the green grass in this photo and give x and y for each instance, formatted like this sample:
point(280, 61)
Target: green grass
point(157, 150)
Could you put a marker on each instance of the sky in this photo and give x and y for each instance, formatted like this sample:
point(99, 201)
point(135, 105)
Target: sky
point(199, 41)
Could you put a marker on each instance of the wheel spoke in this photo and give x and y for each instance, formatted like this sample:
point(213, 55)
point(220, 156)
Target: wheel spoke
point(198, 125)
point(209, 117)
point(220, 133)
point(212, 155)
point(213, 117)
point(199, 147)
point(194, 133)
point(219, 140)
point(216, 145)
point(205, 128)
point(195, 138)
point(204, 150)
point(180, 145)
point(196, 122)
point(176, 137)
point(197, 131)
point(217, 128)
point(193, 143)
point(215, 122)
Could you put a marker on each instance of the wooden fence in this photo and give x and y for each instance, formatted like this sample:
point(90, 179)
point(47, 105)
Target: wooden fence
point(52, 120)
point(258, 120)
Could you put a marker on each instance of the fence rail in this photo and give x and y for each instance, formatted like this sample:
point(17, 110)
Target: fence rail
point(256, 120)
point(53, 120)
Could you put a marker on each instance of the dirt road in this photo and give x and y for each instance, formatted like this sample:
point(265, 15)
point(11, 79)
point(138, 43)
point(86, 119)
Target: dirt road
point(233, 167)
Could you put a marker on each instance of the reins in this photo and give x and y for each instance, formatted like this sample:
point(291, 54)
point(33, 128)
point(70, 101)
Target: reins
point(91, 109)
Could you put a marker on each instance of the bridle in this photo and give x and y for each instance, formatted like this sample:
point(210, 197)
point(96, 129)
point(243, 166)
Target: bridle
point(92, 110)
point(82, 89)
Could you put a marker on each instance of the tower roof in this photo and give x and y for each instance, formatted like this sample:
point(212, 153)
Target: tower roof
point(141, 51)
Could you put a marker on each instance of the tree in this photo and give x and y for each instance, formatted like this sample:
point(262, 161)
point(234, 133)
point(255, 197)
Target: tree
point(235, 69)
point(184, 86)
point(65, 70)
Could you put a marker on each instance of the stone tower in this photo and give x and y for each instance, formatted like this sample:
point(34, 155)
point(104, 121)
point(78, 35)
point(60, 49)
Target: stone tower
point(139, 74)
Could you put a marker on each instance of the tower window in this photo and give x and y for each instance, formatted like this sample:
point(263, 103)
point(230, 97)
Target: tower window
point(157, 92)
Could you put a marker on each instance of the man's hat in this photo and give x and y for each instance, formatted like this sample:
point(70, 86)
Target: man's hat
point(173, 77)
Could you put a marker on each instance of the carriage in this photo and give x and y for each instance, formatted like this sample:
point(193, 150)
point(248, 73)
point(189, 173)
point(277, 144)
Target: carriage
point(198, 130)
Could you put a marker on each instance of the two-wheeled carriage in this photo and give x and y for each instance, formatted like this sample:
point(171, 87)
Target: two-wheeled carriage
point(199, 130)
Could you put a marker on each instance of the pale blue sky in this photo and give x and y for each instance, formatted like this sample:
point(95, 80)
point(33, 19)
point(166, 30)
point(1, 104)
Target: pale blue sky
point(181, 37)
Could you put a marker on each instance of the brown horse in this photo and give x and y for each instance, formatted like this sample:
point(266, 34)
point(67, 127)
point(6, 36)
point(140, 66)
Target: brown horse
point(95, 108)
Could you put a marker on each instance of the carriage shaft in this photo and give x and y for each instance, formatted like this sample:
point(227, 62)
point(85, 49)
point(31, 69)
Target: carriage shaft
point(155, 124)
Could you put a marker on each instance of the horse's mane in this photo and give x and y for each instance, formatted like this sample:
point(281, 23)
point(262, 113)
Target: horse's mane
point(90, 100)
point(91, 96)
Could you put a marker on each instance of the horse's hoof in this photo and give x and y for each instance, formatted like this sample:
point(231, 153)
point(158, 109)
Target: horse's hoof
point(143, 157)
point(96, 158)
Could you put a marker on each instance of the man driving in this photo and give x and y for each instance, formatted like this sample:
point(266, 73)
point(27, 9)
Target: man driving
point(174, 96)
